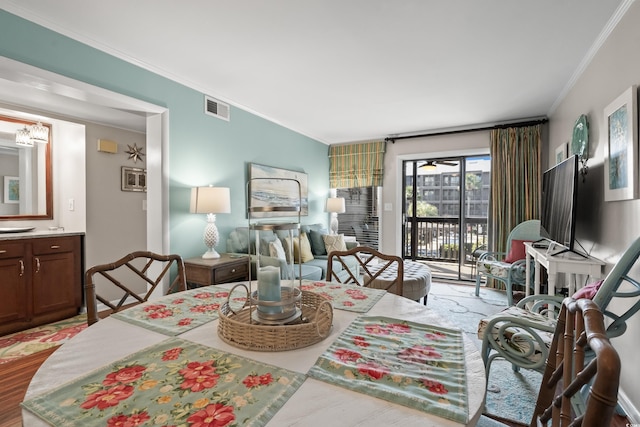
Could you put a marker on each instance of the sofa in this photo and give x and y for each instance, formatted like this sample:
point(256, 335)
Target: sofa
point(310, 253)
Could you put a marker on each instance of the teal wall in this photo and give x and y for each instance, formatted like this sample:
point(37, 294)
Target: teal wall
point(203, 150)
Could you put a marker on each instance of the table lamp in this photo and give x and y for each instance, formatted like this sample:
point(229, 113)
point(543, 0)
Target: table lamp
point(335, 205)
point(210, 200)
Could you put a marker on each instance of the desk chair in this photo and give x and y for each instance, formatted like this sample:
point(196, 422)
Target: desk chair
point(363, 276)
point(523, 334)
point(130, 280)
point(509, 267)
point(563, 397)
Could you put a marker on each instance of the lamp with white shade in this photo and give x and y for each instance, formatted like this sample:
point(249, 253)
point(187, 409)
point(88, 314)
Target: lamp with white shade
point(210, 200)
point(335, 205)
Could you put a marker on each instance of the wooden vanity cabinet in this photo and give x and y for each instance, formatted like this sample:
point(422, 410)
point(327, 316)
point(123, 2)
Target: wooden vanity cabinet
point(40, 281)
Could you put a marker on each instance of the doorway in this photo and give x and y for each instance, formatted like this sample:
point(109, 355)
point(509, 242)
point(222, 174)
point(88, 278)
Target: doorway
point(445, 208)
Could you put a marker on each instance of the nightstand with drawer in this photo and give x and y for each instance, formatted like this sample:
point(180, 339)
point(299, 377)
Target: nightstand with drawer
point(205, 272)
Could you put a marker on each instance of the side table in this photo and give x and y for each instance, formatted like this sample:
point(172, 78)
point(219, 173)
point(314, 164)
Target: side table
point(205, 272)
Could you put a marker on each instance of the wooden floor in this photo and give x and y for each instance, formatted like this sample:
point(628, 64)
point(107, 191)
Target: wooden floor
point(14, 380)
point(16, 376)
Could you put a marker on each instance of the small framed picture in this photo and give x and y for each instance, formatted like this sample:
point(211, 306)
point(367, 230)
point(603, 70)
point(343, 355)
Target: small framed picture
point(133, 179)
point(11, 189)
point(561, 152)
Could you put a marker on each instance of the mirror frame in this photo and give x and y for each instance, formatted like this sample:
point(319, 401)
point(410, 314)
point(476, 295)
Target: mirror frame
point(48, 175)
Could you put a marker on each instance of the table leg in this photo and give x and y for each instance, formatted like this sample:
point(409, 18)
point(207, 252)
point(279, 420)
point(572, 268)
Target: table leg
point(527, 271)
point(551, 282)
point(536, 279)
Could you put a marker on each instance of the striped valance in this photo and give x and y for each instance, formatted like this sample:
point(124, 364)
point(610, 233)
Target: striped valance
point(356, 165)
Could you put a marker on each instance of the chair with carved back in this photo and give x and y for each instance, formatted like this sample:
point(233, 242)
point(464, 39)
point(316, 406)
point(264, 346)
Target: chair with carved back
point(523, 334)
point(131, 280)
point(582, 373)
point(374, 269)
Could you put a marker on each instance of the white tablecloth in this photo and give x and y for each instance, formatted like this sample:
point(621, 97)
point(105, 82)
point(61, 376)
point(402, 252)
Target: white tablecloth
point(315, 404)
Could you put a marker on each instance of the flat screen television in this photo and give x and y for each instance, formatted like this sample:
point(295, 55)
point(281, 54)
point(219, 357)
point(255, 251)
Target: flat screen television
point(559, 203)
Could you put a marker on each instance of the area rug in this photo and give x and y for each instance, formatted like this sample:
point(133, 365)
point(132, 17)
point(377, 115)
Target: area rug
point(25, 343)
point(511, 395)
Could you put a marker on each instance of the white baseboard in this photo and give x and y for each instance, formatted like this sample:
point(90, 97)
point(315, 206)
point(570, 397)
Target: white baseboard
point(629, 409)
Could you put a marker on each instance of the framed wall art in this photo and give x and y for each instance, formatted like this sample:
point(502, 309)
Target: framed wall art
point(561, 152)
point(133, 179)
point(11, 189)
point(277, 187)
point(621, 148)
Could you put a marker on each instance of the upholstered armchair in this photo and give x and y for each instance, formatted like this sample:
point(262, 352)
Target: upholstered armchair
point(509, 267)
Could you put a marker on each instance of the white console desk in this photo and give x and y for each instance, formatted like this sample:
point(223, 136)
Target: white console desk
point(571, 264)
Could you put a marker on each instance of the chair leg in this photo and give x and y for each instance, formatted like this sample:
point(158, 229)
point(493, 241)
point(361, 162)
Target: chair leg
point(478, 284)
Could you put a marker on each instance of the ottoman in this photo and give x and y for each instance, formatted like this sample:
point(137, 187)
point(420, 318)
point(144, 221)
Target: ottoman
point(416, 280)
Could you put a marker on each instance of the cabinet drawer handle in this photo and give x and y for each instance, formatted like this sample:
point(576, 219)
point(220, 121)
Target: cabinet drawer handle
point(21, 268)
point(3, 251)
point(37, 265)
point(233, 270)
point(55, 246)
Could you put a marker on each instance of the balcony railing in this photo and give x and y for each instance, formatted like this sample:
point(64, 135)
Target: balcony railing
point(439, 238)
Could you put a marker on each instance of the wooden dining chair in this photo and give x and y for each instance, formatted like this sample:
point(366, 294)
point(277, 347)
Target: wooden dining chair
point(129, 281)
point(582, 373)
point(372, 269)
point(580, 355)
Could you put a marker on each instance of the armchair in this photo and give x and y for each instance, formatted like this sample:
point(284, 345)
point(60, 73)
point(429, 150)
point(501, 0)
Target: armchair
point(509, 267)
point(523, 334)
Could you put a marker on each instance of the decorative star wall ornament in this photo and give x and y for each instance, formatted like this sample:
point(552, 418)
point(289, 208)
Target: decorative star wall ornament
point(135, 152)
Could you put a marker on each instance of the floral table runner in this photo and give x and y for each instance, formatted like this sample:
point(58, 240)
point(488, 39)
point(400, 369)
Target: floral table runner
point(411, 364)
point(173, 383)
point(177, 313)
point(345, 297)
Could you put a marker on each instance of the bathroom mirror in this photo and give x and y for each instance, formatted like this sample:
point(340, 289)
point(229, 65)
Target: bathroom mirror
point(26, 189)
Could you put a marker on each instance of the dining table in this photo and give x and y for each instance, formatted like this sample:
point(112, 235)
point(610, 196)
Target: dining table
point(164, 363)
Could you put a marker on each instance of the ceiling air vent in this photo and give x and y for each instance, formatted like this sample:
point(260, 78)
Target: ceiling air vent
point(216, 108)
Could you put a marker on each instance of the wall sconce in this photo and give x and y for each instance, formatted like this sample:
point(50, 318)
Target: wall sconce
point(335, 205)
point(210, 200)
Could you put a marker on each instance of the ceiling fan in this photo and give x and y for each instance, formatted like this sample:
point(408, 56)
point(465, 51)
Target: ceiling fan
point(431, 164)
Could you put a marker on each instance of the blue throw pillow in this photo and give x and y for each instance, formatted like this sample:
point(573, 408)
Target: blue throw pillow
point(317, 242)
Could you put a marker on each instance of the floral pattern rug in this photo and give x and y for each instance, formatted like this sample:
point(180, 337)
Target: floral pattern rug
point(416, 365)
point(173, 383)
point(25, 343)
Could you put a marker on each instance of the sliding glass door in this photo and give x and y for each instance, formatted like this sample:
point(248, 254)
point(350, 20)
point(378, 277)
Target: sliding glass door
point(445, 209)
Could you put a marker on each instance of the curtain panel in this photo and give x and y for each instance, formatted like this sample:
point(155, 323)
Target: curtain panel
point(515, 181)
point(356, 165)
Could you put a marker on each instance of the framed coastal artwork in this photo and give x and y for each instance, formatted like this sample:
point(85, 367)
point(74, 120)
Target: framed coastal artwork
point(276, 187)
point(621, 148)
point(11, 189)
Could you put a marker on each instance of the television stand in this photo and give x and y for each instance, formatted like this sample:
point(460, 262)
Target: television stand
point(577, 269)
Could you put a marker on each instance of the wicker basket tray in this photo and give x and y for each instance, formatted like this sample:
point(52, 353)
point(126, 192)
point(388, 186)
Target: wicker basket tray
point(239, 330)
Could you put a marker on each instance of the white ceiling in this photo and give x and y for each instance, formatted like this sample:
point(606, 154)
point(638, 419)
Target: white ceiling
point(352, 70)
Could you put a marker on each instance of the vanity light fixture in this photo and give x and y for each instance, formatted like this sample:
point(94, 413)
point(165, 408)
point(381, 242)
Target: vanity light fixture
point(29, 135)
point(23, 138)
point(39, 133)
